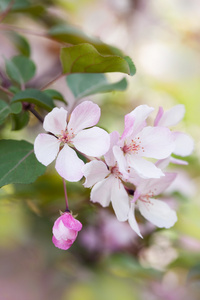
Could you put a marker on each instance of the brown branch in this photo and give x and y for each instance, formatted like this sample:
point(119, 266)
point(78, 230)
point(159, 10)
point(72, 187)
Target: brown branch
point(6, 91)
point(6, 11)
point(52, 81)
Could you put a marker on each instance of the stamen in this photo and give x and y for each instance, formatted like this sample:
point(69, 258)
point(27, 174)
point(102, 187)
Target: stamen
point(134, 146)
point(65, 136)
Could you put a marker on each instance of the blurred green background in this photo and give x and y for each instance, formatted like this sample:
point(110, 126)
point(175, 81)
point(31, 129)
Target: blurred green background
point(108, 261)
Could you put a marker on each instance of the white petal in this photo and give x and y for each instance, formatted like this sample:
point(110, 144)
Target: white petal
point(157, 142)
point(144, 168)
point(178, 161)
point(46, 148)
point(93, 142)
point(158, 116)
point(121, 160)
point(68, 165)
point(184, 144)
point(101, 192)
point(163, 163)
point(158, 213)
point(94, 171)
point(155, 186)
point(56, 121)
point(132, 221)
point(84, 115)
point(109, 156)
point(173, 116)
point(135, 120)
point(120, 200)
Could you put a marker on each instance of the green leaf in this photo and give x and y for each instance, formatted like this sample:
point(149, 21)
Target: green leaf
point(18, 163)
point(73, 35)
point(20, 43)
point(85, 84)
point(54, 94)
point(131, 65)
point(34, 96)
point(84, 58)
point(20, 69)
point(16, 108)
point(17, 5)
point(4, 111)
point(20, 120)
point(22, 6)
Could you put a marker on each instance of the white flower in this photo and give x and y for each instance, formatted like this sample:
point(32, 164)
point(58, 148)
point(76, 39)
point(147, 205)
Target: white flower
point(138, 141)
point(107, 182)
point(92, 142)
point(154, 210)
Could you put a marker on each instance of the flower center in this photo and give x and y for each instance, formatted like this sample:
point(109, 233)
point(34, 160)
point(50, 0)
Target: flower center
point(65, 136)
point(134, 146)
point(115, 171)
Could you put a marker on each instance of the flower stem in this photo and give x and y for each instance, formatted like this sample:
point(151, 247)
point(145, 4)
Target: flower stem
point(60, 75)
point(66, 198)
point(6, 91)
point(36, 114)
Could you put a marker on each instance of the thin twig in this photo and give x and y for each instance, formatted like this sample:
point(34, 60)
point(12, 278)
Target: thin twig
point(60, 75)
point(66, 198)
point(6, 11)
point(22, 30)
point(36, 114)
point(6, 91)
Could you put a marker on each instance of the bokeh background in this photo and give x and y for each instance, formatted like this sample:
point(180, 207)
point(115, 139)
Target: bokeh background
point(108, 260)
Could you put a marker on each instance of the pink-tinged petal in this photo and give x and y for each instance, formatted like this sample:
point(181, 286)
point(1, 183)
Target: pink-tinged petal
point(158, 116)
point(158, 213)
point(120, 200)
point(157, 142)
point(62, 244)
point(163, 163)
point(70, 222)
point(46, 148)
point(121, 161)
point(184, 144)
point(135, 120)
point(144, 168)
point(94, 172)
point(132, 221)
point(101, 192)
point(178, 161)
point(69, 165)
point(56, 121)
point(61, 232)
point(109, 156)
point(84, 115)
point(155, 186)
point(173, 116)
point(92, 142)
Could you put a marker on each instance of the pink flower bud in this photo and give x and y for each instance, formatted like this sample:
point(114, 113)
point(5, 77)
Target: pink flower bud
point(65, 231)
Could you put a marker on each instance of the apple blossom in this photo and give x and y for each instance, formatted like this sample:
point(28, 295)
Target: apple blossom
point(107, 182)
point(184, 144)
point(154, 210)
point(65, 231)
point(139, 141)
point(63, 136)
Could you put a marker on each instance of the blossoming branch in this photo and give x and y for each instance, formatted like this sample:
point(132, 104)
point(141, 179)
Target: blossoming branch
point(128, 170)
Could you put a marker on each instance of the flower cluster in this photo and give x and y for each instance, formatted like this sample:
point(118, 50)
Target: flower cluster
point(127, 170)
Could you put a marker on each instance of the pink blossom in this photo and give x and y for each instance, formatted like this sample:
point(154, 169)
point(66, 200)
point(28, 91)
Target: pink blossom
point(65, 136)
point(139, 141)
point(155, 211)
point(65, 231)
point(107, 182)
